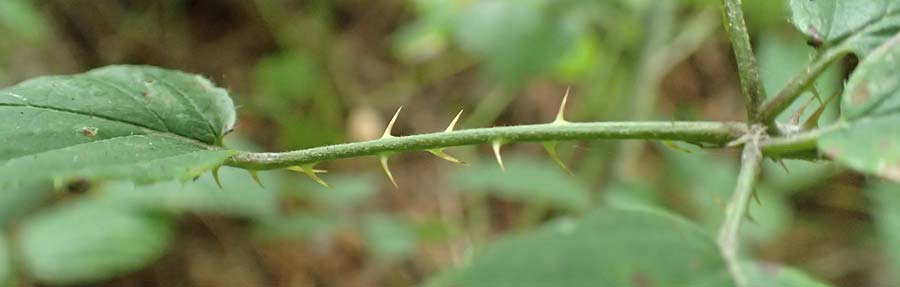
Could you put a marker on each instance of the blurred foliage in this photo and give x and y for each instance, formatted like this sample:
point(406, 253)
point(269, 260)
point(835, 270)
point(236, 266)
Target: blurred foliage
point(87, 241)
point(6, 268)
point(619, 247)
point(526, 180)
point(311, 73)
point(886, 201)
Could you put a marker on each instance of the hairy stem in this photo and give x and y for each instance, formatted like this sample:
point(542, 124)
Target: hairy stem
point(751, 85)
point(710, 133)
point(737, 209)
point(801, 145)
point(800, 83)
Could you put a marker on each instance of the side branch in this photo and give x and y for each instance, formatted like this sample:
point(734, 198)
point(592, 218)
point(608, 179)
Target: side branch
point(708, 133)
point(748, 70)
point(800, 83)
point(737, 208)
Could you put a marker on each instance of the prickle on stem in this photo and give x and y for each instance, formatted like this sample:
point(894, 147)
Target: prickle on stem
point(390, 126)
point(439, 152)
point(561, 115)
point(387, 170)
point(551, 150)
point(311, 173)
point(255, 176)
point(496, 145)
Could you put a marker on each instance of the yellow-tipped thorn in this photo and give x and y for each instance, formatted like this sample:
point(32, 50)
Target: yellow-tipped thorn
point(453, 122)
point(309, 171)
point(255, 177)
point(675, 146)
point(390, 126)
point(561, 115)
point(387, 170)
point(215, 174)
point(441, 154)
point(551, 149)
point(496, 145)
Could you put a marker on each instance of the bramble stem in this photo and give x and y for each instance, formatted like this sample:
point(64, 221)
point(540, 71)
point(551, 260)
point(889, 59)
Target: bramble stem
point(800, 83)
point(711, 133)
point(751, 85)
point(737, 208)
point(801, 145)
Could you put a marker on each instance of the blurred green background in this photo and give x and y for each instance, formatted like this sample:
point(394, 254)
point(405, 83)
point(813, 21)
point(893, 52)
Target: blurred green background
point(307, 73)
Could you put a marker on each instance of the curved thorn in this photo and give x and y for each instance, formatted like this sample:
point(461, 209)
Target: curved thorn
point(453, 122)
point(675, 146)
point(255, 177)
point(441, 154)
point(309, 171)
point(215, 174)
point(390, 126)
point(813, 120)
point(551, 149)
point(387, 170)
point(560, 116)
point(496, 145)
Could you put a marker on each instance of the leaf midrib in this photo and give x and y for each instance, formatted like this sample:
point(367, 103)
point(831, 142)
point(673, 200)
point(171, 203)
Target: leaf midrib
point(149, 130)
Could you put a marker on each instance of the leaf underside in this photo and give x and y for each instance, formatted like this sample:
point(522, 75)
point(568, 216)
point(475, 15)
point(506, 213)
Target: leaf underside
point(861, 25)
point(869, 141)
point(136, 122)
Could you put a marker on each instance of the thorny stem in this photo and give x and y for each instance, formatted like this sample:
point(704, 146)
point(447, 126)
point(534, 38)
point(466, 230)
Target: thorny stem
point(751, 85)
point(799, 84)
point(708, 133)
point(801, 145)
point(737, 207)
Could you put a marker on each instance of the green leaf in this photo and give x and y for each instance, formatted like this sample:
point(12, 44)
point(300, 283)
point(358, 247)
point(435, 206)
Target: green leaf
point(90, 241)
point(609, 247)
point(388, 237)
point(16, 201)
point(763, 274)
point(885, 197)
point(861, 25)
point(7, 275)
point(869, 138)
point(136, 122)
point(528, 180)
point(497, 31)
